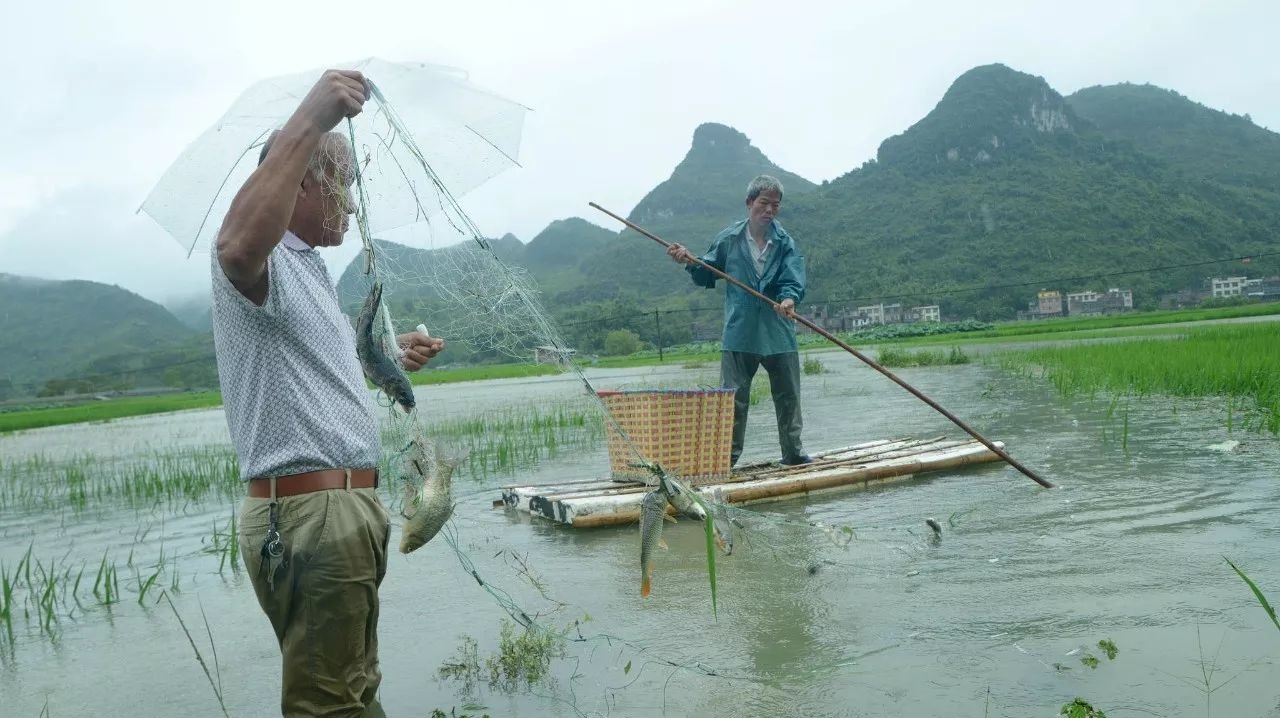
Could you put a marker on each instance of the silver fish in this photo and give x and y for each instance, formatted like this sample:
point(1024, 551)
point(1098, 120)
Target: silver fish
point(681, 497)
point(380, 369)
point(433, 504)
point(653, 511)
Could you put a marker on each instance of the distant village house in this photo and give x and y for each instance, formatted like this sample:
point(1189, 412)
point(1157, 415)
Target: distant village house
point(1046, 305)
point(1228, 286)
point(845, 319)
point(1263, 288)
point(1050, 303)
point(1093, 304)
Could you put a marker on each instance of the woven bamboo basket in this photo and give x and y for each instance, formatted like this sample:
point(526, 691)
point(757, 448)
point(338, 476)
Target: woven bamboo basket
point(689, 432)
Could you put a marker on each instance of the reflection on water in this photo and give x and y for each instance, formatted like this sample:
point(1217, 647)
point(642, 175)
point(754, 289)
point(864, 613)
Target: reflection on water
point(1021, 585)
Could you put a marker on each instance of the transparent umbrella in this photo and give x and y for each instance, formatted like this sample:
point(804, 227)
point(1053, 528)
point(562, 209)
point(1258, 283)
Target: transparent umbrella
point(426, 136)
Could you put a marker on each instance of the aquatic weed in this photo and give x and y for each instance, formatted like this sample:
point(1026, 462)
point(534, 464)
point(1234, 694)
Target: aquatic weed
point(524, 658)
point(1080, 708)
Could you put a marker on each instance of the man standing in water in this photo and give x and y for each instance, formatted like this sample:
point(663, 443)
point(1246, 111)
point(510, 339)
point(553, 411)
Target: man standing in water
point(758, 252)
point(312, 531)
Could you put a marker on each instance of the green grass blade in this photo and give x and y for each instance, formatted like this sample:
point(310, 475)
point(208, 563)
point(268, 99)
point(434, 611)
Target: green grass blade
point(1257, 592)
point(711, 551)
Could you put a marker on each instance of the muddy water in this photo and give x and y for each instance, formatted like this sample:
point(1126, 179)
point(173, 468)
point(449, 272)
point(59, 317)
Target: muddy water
point(993, 619)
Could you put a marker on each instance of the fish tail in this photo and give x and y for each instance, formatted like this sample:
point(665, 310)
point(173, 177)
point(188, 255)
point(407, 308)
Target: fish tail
point(645, 586)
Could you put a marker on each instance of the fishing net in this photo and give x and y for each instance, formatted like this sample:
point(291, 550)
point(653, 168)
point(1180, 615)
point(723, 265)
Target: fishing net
point(425, 137)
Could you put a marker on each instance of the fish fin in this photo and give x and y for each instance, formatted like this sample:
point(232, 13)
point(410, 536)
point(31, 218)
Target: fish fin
point(645, 587)
point(662, 544)
point(720, 543)
point(669, 517)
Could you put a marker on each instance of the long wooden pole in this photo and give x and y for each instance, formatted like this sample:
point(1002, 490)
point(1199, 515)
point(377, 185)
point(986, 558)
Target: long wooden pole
point(863, 357)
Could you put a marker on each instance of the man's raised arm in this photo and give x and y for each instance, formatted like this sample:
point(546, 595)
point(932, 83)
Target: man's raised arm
point(261, 210)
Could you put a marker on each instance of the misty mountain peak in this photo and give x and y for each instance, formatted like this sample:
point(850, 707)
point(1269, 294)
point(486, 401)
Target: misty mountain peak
point(988, 111)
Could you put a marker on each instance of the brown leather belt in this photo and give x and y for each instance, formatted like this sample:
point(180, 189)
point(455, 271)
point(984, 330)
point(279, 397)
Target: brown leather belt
point(322, 480)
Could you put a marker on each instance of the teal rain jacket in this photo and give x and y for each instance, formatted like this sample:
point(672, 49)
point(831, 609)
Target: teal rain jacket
point(750, 325)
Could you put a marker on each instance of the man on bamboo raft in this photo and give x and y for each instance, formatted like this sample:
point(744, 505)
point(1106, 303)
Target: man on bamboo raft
point(758, 252)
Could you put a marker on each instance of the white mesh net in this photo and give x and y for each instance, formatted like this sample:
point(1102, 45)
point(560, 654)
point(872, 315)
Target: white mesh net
point(425, 136)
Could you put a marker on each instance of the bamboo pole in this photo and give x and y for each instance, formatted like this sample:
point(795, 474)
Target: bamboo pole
point(771, 489)
point(863, 357)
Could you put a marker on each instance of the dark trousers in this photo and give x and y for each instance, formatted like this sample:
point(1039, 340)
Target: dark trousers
point(737, 369)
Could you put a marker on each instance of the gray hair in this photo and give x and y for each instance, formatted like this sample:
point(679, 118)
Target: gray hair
point(762, 184)
point(315, 163)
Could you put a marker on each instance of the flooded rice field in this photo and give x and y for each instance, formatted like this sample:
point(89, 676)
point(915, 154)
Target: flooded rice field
point(102, 525)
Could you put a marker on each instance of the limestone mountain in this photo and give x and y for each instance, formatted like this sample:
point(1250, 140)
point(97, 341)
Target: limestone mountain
point(1005, 182)
point(1200, 142)
point(52, 329)
point(989, 114)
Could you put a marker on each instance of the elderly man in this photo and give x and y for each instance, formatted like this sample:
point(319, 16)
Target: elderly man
point(313, 533)
point(758, 252)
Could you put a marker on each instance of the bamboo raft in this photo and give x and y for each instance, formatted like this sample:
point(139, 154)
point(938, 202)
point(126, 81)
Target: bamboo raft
point(605, 502)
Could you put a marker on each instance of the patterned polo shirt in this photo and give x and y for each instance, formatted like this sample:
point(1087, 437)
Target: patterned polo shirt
point(292, 387)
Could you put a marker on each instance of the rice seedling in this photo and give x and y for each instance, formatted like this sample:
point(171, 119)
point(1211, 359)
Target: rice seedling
point(1237, 363)
point(813, 365)
point(6, 601)
point(895, 357)
point(106, 586)
point(46, 593)
point(225, 544)
point(84, 481)
point(760, 390)
point(174, 577)
point(505, 439)
point(144, 586)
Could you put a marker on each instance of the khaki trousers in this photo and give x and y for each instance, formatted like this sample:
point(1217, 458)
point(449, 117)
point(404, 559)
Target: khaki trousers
point(324, 604)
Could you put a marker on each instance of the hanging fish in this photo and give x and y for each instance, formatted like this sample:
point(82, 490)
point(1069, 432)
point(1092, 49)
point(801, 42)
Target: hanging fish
point(428, 498)
point(653, 511)
point(379, 368)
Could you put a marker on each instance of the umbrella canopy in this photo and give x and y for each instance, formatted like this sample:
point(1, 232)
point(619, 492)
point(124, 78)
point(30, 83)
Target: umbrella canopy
point(426, 135)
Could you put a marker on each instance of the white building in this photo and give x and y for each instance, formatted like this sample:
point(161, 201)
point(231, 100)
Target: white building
point(1090, 303)
point(930, 313)
point(873, 314)
point(1228, 286)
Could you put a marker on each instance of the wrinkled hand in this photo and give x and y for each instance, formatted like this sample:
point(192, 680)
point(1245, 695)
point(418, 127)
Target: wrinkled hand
point(786, 308)
point(337, 94)
point(418, 349)
point(679, 254)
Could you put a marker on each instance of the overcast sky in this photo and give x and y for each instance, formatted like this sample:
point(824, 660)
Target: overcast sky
point(101, 97)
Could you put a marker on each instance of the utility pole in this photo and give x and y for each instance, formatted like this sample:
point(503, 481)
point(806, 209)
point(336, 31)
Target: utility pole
point(657, 325)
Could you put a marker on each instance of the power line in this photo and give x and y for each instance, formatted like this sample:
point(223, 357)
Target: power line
point(958, 290)
point(695, 310)
point(651, 312)
point(1045, 282)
